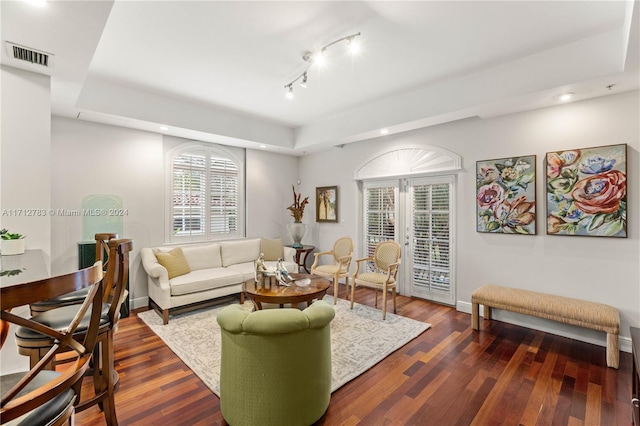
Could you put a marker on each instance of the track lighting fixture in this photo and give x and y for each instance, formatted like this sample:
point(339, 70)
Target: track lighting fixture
point(317, 58)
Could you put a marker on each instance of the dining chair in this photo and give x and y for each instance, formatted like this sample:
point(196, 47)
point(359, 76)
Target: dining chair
point(40, 396)
point(76, 297)
point(379, 272)
point(341, 255)
point(105, 377)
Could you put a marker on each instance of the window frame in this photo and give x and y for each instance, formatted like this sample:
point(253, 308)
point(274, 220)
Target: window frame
point(209, 150)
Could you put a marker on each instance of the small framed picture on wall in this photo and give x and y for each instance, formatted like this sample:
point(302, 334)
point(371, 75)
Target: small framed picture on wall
point(327, 204)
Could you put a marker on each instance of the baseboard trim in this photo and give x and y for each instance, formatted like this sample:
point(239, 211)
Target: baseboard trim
point(548, 326)
point(140, 302)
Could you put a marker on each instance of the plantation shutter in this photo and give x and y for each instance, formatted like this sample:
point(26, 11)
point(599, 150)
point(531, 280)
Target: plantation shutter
point(224, 195)
point(432, 240)
point(189, 193)
point(206, 199)
point(380, 214)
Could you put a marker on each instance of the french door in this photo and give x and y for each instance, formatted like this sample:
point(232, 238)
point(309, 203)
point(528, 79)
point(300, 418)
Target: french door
point(417, 213)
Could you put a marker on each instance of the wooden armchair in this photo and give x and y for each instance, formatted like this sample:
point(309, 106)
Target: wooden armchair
point(76, 297)
point(385, 260)
point(40, 396)
point(340, 262)
point(34, 344)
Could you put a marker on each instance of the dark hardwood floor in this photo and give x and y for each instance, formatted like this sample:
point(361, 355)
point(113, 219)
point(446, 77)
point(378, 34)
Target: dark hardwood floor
point(449, 375)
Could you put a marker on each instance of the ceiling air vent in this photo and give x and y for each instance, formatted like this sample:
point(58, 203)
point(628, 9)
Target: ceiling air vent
point(28, 54)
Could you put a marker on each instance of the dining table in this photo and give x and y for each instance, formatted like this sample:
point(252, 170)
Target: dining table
point(17, 270)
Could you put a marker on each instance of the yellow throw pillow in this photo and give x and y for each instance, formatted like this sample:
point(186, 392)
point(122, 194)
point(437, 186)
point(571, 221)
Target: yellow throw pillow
point(272, 249)
point(174, 262)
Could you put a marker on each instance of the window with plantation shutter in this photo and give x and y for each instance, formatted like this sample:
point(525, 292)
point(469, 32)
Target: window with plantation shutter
point(431, 226)
point(380, 214)
point(418, 214)
point(206, 194)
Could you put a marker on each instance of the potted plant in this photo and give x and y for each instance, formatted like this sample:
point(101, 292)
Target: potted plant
point(12, 243)
point(297, 228)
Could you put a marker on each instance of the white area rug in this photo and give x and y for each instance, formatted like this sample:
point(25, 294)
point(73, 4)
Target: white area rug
point(359, 340)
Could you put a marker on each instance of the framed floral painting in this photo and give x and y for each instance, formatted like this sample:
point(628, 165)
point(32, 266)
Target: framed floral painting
point(587, 191)
point(506, 195)
point(327, 204)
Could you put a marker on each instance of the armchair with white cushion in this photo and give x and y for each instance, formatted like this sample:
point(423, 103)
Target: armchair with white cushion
point(385, 260)
point(341, 256)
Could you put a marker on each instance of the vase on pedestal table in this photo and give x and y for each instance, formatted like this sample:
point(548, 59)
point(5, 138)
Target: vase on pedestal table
point(297, 231)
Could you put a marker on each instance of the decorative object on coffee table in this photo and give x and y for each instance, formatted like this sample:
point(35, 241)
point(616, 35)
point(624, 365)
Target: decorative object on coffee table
point(297, 228)
point(289, 294)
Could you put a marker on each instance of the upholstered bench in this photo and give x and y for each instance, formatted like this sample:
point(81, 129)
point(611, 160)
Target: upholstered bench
point(596, 316)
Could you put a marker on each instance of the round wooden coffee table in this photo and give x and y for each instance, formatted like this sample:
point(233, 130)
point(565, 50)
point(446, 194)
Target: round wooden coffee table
point(281, 295)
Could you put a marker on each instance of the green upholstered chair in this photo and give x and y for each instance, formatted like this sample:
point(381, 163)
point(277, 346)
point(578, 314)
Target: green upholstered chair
point(275, 365)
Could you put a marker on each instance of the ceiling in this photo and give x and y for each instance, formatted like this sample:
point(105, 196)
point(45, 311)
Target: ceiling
point(216, 70)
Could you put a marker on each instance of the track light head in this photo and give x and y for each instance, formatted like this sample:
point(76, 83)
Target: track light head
point(317, 58)
point(353, 45)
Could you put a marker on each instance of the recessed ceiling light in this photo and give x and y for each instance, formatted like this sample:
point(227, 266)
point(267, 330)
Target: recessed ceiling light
point(384, 131)
point(263, 146)
point(566, 97)
point(164, 128)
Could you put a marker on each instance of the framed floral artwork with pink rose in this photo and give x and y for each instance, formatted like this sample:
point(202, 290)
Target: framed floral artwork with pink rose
point(587, 191)
point(506, 195)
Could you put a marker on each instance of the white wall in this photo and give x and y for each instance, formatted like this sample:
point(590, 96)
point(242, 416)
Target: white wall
point(269, 180)
point(24, 173)
point(89, 158)
point(598, 269)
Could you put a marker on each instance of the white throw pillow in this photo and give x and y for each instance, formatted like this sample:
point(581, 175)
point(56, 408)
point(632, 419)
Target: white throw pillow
point(234, 252)
point(203, 257)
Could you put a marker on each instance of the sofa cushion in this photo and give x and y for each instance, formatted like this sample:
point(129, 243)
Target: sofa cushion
point(272, 249)
point(174, 262)
point(203, 257)
point(204, 279)
point(234, 252)
point(247, 269)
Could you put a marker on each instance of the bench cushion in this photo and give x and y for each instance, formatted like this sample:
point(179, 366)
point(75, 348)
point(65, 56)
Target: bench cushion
point(593, 315)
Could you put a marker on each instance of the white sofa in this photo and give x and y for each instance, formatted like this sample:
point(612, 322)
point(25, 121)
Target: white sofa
point(216, 270)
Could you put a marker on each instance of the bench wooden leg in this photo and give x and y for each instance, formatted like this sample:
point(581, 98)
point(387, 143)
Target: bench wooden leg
point(487, 312)
point(613, 354)
point(475, 314)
